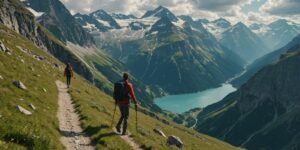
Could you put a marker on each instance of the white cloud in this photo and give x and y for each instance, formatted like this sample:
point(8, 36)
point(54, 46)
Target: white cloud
point(219, 5)
point(282, 7)
point(210, 9)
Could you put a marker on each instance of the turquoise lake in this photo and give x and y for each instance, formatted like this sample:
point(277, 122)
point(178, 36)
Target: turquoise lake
point(184, 102)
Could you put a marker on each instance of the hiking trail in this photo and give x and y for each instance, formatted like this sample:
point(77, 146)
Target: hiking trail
point(128, 139)
point(72, 136)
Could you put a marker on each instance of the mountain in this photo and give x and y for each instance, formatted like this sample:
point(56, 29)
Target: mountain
point(216, 27)
point(59, 21)
point(240, 39)
point(263, 61)
point(103, 17)
point(177, 58)
point(264, 112)
point(160, 12)
point(99, 21)
point(122, 16)
point(90, 23)
point(278, 33)
point(222, 23)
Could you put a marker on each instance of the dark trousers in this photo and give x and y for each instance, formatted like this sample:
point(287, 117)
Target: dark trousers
point(124, 109)
point(69, 80)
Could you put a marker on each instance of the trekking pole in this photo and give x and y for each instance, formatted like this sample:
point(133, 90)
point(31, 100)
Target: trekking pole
point(136, 119)
point(112, 122)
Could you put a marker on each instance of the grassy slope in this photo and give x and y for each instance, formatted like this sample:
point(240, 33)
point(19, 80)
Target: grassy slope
point(39, 131)
point(96, 111)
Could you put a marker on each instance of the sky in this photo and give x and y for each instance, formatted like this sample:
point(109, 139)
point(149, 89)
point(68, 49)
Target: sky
point(247, 11)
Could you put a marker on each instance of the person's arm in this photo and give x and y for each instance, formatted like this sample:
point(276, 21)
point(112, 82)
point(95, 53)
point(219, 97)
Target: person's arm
point(131, 92)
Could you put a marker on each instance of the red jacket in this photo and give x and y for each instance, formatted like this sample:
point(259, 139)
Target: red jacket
point(130, 92)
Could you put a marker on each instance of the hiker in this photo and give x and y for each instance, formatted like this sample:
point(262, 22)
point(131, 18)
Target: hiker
point(68, 73)
point(123, 92)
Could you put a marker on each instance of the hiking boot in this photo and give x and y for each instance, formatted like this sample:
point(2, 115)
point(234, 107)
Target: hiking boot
point(124, 133)
point(118, 129)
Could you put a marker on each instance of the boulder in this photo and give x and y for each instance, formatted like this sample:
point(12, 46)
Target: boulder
point(174, 140)
point(23, 110)
point(19, 84)
point(44, 90)
point(32, 106)
point(1, 78)
point(158, 131)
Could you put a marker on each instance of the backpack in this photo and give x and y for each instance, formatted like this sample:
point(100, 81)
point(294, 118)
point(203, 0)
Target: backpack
point(68, 70)
point(120, 91)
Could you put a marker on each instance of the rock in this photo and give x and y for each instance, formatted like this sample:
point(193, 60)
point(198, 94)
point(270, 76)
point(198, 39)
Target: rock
point(8, 53)
point(0, 116)
point(23, 110)
point(44, 90)
point(56, 65)
point(20, 85)
point(22, 60)
point(31, 68)
point(173, 140)
point(158, 131)
point(1, 78)
point(32, 106)
point(2, 47)
point(21, 99)
point(40, 58)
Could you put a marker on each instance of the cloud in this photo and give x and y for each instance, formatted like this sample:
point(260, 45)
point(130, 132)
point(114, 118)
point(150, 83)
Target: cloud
point(209, 9)
point(282, 7)
point(88, 6)
point(219, 5)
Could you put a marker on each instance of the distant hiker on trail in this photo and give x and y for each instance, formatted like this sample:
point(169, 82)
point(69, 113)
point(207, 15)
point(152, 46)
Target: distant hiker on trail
point(68, 73)
point(123, 91)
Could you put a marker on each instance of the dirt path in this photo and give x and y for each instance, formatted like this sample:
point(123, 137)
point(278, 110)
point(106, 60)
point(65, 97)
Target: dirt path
point(128, 139)
point(69, 125)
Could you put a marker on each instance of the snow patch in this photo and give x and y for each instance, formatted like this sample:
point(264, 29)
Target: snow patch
point(35, 13)
point(105, 23)
point(179, 23)
point(215, 30)
point(90, 27)
point(149, 21)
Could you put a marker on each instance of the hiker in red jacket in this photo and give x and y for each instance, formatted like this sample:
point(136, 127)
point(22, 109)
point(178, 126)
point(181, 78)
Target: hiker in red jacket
point(68, 73)
point(124, 104)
